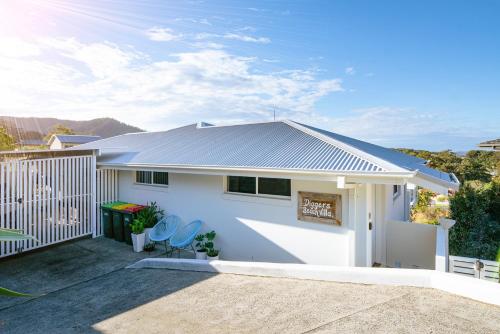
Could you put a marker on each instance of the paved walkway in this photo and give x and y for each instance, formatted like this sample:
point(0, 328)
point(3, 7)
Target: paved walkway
point(87, 290)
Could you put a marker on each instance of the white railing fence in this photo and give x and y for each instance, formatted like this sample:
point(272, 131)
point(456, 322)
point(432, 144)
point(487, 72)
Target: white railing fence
point(107, 191)
point(482, 269)
point(49, 199)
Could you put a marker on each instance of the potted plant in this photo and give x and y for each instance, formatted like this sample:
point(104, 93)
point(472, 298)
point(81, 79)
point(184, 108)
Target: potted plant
point(201, 251)
point(212, 253)
point(150, 216)
point(138, 235)
point(149, 247)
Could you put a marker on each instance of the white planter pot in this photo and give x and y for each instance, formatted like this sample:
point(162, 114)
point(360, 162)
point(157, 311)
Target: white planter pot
point(146, 232)
point(138, 242)
point(201, 255)
point(211, 258)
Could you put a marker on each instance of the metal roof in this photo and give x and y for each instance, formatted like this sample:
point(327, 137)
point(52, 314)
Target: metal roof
point(494, 144)
point(282, 145)
point(74, 139)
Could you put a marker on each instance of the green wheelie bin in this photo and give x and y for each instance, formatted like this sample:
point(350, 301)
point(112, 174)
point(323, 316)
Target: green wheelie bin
point(107, 219)
point(129, 214)
point(118, 230)
point(128, 218)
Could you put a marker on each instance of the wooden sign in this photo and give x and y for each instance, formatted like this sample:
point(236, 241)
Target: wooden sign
point(320, 208)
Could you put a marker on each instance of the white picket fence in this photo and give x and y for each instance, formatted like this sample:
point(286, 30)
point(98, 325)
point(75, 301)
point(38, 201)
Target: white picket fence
point(53, 199)
point(482, 269)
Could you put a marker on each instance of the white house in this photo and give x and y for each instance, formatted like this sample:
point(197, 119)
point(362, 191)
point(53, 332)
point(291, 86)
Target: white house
point(58, 142)
point(275, 191)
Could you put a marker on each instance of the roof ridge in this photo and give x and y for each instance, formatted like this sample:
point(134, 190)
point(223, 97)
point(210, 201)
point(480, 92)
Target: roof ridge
point(382, 163)
point(240, 124)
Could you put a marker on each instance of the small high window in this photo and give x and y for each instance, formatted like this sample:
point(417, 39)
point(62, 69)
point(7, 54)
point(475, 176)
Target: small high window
point(241, 184)
point(152, 178)
point(278, 187)
point(259, 185)
point(396, 190)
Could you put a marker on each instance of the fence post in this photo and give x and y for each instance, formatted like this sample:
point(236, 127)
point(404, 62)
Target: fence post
point(93, 172)
point(442, 253)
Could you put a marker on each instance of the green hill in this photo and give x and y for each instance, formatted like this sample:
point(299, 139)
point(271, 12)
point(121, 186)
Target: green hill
point(26, 128)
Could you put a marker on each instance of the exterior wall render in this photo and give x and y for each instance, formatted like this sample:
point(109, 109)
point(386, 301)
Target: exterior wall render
point(251, 228)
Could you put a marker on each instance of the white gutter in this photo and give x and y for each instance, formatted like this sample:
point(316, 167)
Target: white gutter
point(185, 168)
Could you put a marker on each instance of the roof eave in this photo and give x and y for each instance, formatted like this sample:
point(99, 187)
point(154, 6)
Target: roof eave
point(128, 166)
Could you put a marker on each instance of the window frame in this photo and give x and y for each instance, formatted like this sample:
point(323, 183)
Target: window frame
point(256, 194)
point(152, 184)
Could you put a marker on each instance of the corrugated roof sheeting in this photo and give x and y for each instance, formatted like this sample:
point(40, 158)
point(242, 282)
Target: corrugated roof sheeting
point(263, 145)
point(274, 145)
point(77, 139)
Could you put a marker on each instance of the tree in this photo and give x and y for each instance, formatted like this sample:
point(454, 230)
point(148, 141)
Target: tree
point(59, 129)
point(475, 165)
point(7, 142)
point(478, 165)
point(476, 208)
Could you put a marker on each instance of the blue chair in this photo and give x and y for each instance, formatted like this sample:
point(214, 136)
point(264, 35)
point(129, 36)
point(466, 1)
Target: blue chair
point(184, 237)
point(165, 229)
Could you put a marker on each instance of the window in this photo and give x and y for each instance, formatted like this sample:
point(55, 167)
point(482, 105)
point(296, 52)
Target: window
point(396, 190)
point(261, 185)
point(241, 184)
point(279, 187)
point(153, 178)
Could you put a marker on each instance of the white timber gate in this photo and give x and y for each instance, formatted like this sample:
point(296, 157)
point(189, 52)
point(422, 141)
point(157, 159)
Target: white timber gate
point(53, 199)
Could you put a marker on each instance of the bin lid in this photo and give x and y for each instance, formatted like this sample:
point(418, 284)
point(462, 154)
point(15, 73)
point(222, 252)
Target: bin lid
point(123, 207)
point(110, 205)
point(134, 209)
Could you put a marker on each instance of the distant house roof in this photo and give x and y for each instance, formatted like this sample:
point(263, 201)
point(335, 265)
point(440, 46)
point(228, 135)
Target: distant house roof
point(31, 142)
point(73, 139)
point(279, 145)
point(494, 144)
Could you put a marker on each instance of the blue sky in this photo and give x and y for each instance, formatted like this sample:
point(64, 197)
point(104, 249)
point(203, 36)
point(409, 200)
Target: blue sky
point(422, 74)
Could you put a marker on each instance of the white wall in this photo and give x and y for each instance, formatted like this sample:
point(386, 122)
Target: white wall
point(395, 207)
point(251, 228)
point(56, 144)
point(411, 245)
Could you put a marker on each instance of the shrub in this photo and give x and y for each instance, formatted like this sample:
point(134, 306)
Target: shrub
point(150, 215)
point(477, 231)
point(137, 226)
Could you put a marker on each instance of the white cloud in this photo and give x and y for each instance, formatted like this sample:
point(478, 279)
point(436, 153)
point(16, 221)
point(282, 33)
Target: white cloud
point(246, 38)
point(406, 127)
point(207, 45)
point(191, 20)
point(350, 71)
point(246, 28)
point(14, 47)
point(76, 80)
point(160, 34)
point(233, 36)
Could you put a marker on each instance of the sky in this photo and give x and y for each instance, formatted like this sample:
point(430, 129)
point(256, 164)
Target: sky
point(417, 74)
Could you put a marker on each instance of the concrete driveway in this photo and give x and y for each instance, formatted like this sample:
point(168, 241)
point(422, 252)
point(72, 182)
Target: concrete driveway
point(87, 290)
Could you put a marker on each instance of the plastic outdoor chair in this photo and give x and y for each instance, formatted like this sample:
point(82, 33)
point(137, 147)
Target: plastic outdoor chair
point(184, 237)
point(165, 229)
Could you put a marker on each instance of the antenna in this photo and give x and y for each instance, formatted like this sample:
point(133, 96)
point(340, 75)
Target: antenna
point(274, 113)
